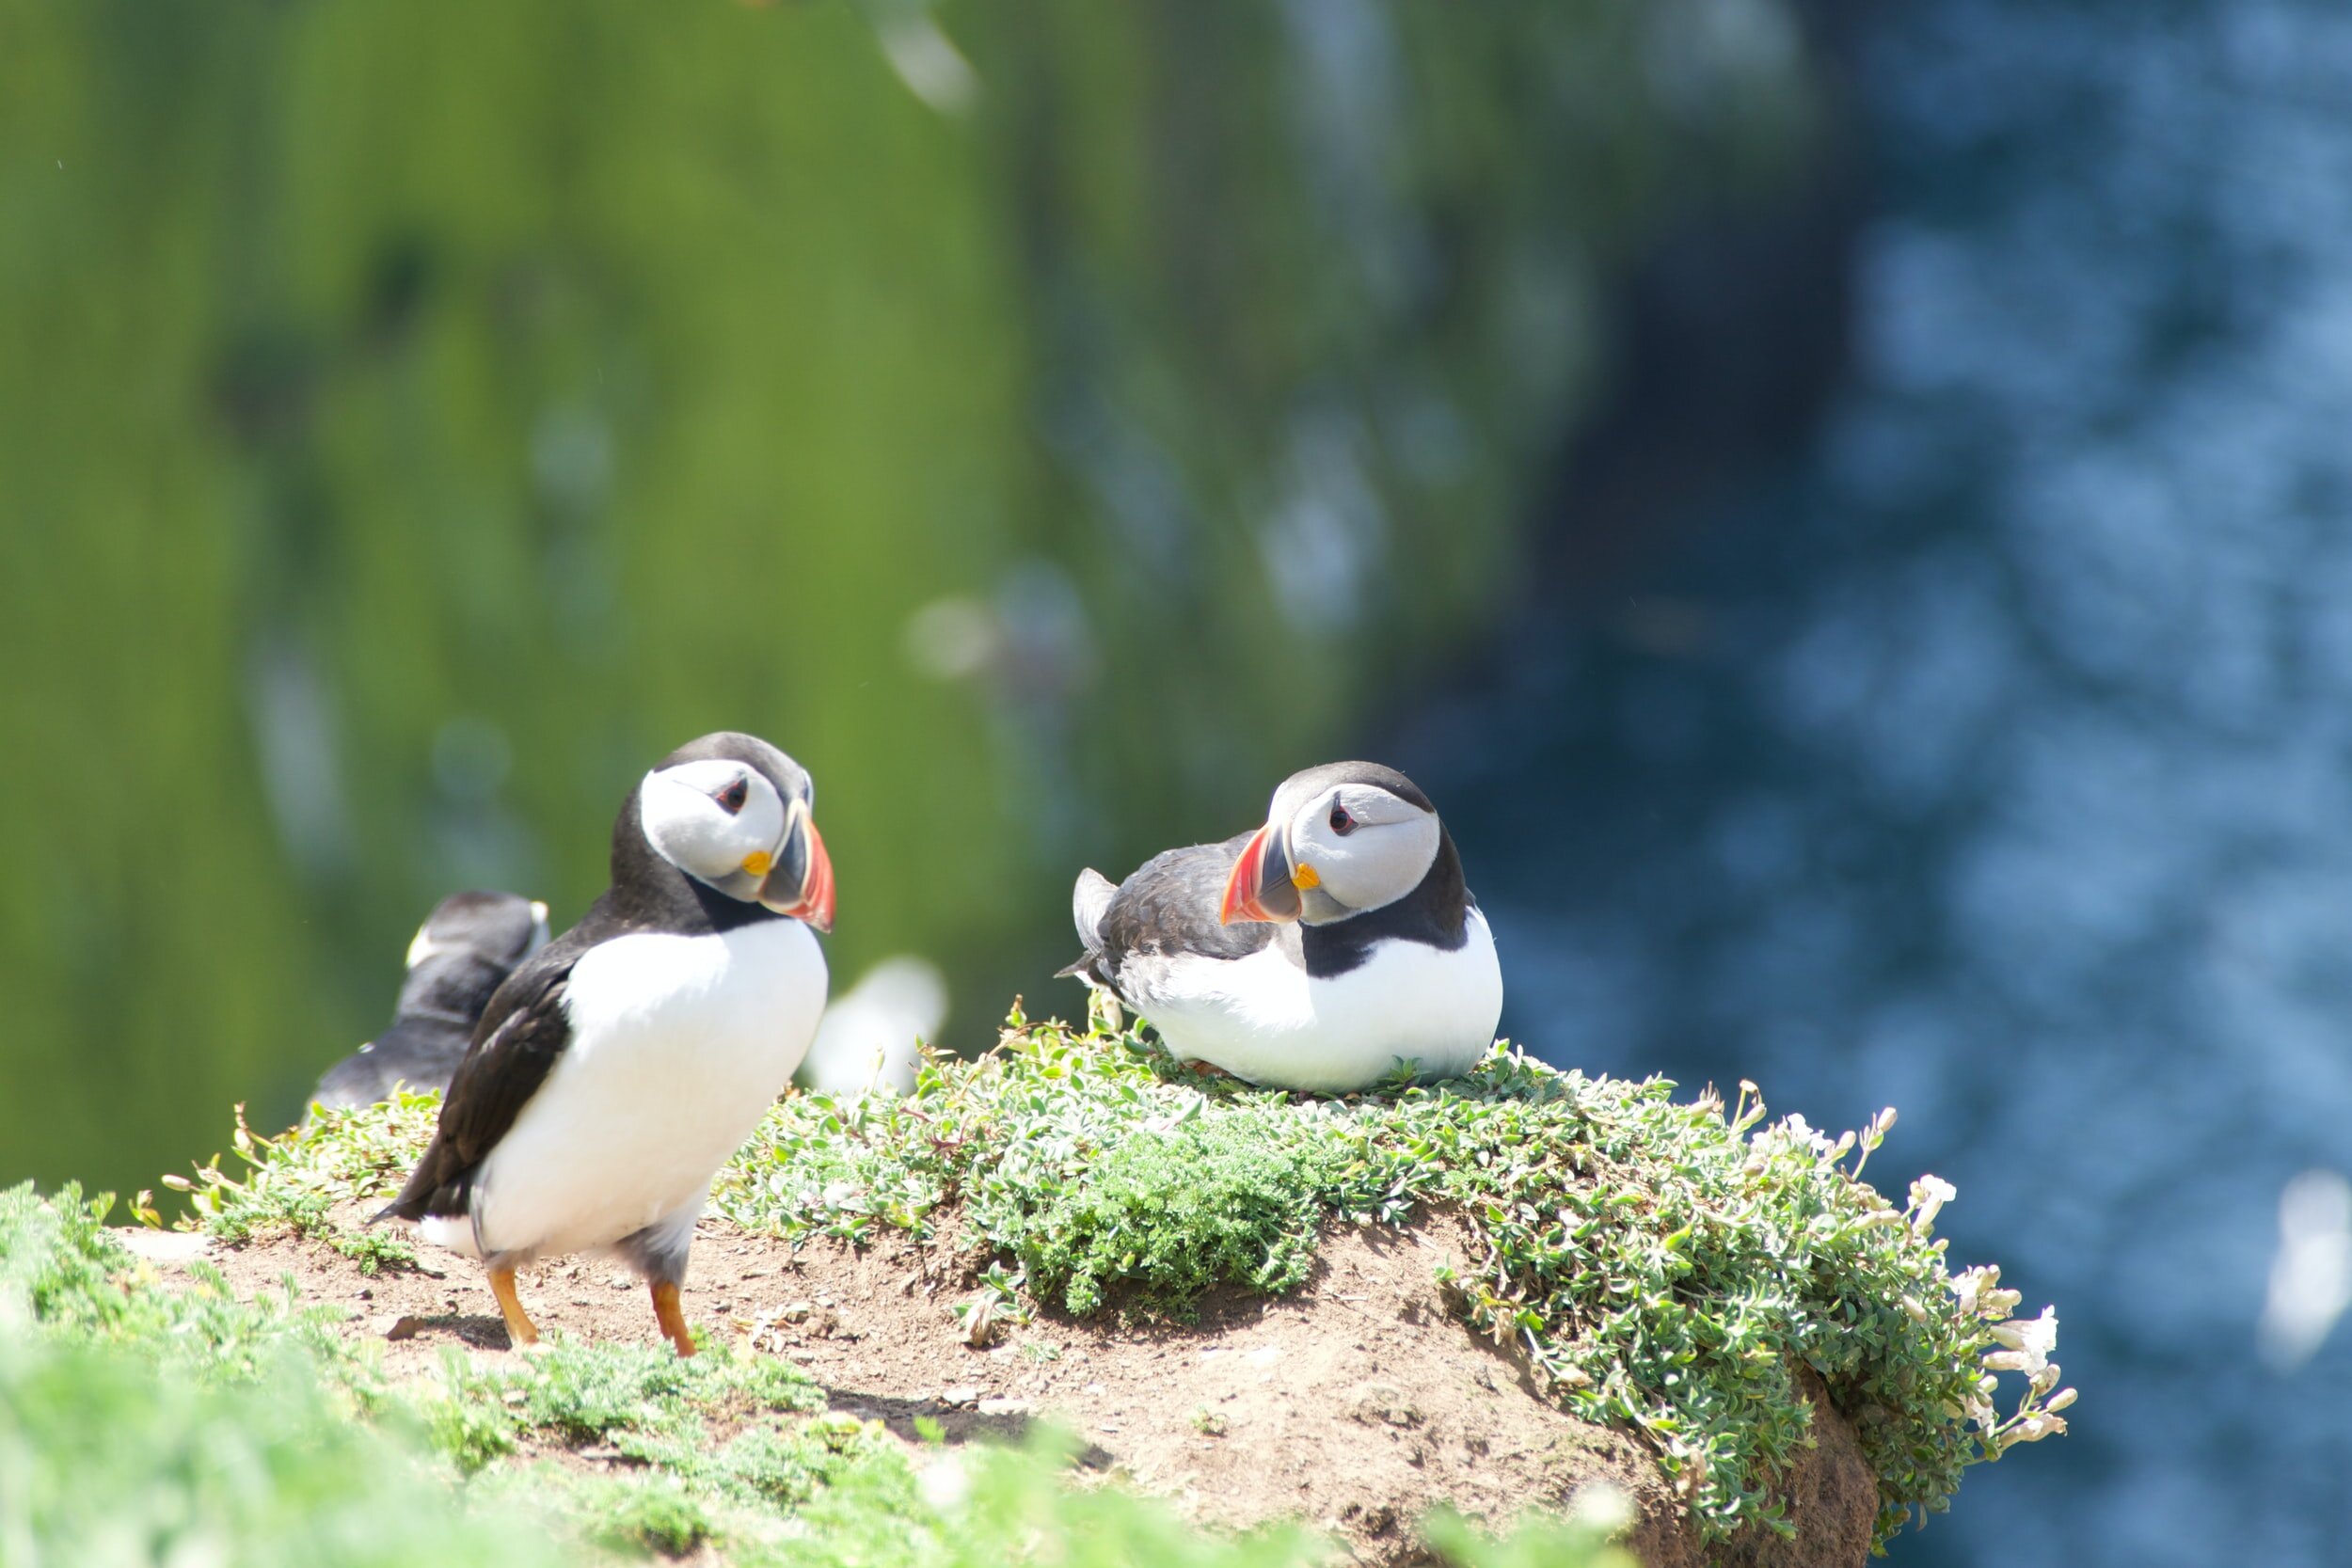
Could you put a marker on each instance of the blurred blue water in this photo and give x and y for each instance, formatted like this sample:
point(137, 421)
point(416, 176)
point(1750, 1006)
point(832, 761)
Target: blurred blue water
point(1995, 761)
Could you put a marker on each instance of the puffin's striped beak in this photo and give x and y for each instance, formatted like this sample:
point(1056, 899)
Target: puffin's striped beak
point(800, 883)
point(1262, 886)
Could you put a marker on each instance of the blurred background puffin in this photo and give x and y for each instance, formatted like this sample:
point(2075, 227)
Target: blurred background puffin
point(618, 1068)
point(461, 955)
point(1318, 952)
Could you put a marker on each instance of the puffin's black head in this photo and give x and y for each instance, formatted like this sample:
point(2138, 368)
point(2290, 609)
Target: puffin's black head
point(1338, 840)
point(734, 812)
point(502, 927)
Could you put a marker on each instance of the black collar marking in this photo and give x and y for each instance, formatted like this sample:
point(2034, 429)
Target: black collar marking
point(648, 893)
point(1435, 914)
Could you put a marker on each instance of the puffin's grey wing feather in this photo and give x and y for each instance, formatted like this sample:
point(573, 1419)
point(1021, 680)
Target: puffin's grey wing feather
point(1168, 908)
point(522, 1033)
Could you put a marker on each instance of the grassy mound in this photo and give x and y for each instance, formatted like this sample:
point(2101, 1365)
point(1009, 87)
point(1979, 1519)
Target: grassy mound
point(146, 1424)
point(1666, 1267)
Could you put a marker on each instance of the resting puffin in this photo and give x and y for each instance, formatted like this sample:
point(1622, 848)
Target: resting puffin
point(615, 1072)
point(467, 946)
point(1315, 953)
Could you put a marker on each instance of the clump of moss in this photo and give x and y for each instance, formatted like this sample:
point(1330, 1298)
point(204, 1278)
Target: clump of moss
point(1164, 1216)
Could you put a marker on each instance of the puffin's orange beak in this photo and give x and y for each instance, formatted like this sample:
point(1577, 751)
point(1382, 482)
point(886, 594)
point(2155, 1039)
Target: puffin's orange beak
point(1261, 887)
point(808, 896)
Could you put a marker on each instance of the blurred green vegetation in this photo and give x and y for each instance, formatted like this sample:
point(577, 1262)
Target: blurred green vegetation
point(1052, 423)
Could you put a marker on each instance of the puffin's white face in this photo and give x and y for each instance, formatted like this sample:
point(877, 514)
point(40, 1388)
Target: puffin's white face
point(719, 822)
point(1331, 851)
point(1355, 847)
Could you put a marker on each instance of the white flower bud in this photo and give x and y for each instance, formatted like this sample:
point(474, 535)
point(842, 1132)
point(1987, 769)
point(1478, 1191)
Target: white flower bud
point(2033, 1429)
point(2059, 1401)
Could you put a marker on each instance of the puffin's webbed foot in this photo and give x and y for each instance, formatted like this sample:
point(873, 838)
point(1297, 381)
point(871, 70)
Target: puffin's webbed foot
point(520, 1330)
point(672, 1317)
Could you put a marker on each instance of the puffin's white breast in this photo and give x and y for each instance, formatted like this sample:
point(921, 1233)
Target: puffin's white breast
point(679, 1044)
point(1263, 1019)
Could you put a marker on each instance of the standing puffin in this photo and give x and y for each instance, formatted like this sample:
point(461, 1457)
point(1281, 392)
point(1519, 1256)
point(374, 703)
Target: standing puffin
point(463, 951)
point(615, 1072)
point(1316, 952)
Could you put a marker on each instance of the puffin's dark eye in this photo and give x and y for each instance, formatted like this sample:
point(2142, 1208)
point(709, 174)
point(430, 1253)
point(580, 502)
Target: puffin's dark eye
point(1342, 823)
point(732, 798)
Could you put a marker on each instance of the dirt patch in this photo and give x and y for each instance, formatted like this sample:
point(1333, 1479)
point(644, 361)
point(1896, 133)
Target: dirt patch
point(1356, 1404)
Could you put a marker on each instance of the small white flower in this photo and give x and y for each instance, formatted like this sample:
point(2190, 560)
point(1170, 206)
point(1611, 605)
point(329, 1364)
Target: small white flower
point(1928, 1197)
point(2059, 1401)
point(1602, 1507)
point(2026, 1343)
point(1918, 1313)
point(945, 1483)
point(2037, 1335)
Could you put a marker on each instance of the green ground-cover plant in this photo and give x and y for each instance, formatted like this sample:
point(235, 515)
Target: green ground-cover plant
point(1670, 1267)
point(1665, 1266)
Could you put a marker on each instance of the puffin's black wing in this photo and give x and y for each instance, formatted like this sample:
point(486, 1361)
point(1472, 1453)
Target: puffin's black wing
point(515, 1047)
point(1169, 908)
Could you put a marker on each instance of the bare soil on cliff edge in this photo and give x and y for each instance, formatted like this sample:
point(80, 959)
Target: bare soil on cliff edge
point(1356, 1404)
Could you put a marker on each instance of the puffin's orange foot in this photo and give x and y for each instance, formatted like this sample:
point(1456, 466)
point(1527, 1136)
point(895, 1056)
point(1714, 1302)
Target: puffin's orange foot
point(520, 1330)
point(1208, 1069)
point(671, 1318)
